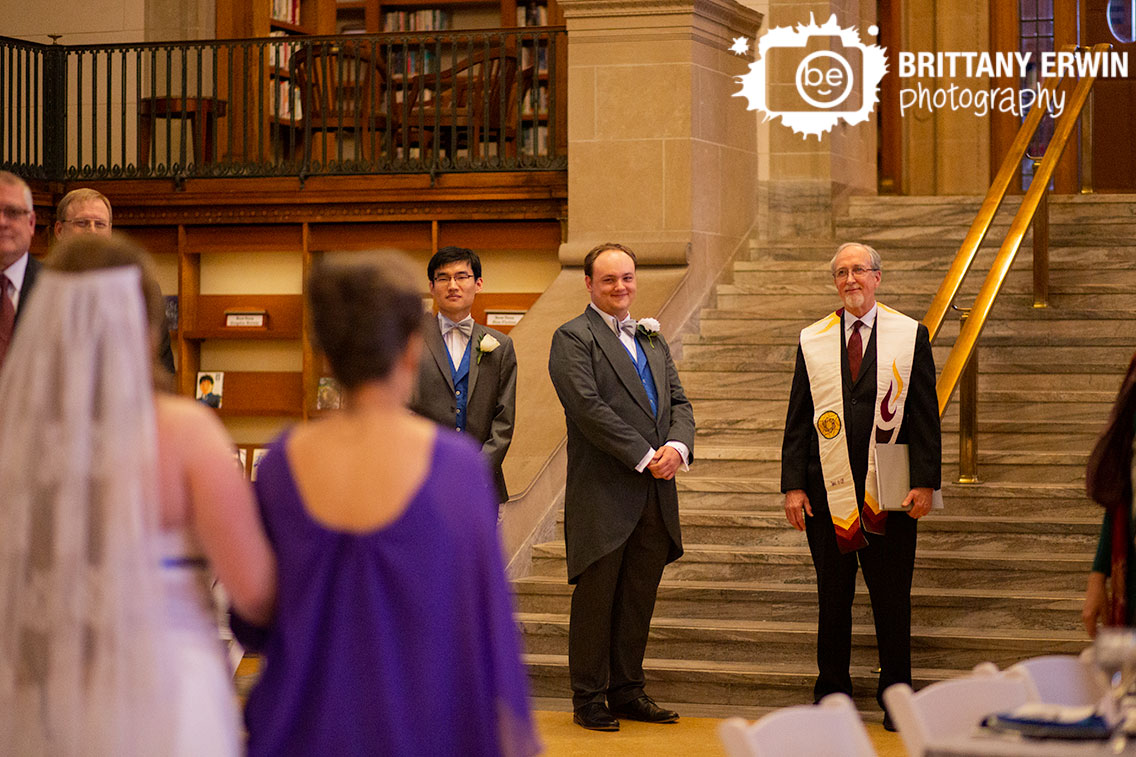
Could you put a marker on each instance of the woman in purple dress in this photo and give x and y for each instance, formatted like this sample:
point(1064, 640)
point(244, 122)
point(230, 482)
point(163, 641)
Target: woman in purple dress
point(394, 632)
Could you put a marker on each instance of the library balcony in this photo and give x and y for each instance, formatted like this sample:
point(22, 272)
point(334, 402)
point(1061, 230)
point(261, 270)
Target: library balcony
point(431, 103)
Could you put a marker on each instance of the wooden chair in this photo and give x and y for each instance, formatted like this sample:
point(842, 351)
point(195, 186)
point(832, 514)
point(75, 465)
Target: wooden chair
point(832, 728)
point(340, 89)
point(466, 107)
point(952, 708)
point(1069, 680)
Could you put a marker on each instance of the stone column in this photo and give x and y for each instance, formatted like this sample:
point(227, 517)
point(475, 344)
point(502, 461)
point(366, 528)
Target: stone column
point(805, 182)
point(661, 157)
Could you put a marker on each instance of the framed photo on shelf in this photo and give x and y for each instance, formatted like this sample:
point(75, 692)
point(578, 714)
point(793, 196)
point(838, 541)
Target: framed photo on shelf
point(328, 395)
point(210, 388)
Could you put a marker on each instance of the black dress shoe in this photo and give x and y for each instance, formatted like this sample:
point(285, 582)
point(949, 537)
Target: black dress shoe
point(645, 709)
point(595, 717)
point(888, 725)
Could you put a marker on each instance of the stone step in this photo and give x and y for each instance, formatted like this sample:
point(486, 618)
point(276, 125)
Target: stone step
point(810, 307)
point(1052, 387)
point(816, 259)
point(1029, 609)
point(962, 500)
point(1103, 279)
point(765, 524)
point(1006, 441)
point(992, 471)
point(722, 640)
point(933, 568)
point(993, 416)
point(776, 358)
point(1044, 457)
point(1019, 332)
point(737, 684)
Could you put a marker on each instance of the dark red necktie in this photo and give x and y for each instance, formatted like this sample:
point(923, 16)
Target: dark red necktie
point(7, 317)
point(855, 350)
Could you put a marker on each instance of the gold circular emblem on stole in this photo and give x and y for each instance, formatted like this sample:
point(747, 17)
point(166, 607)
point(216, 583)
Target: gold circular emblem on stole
point(828, 424)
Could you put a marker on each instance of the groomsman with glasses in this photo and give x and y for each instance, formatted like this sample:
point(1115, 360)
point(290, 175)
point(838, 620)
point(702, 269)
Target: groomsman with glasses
point(467, 377)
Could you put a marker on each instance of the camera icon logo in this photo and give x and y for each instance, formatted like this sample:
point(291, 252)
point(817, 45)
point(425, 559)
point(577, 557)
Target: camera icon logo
point(813, 77)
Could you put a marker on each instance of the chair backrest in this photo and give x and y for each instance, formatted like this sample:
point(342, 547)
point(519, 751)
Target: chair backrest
point(954, 707)
point(1062, 679)
point(832, 728)
point(337, 82)
point(484, 83)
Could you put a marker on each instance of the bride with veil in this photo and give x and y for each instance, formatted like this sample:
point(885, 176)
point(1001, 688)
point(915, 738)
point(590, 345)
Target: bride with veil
point(115, 498)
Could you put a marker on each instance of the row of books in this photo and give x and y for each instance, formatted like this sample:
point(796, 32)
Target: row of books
point(536, 101)
point(430, 19)
point(286, 101)
point(539, 55)
point(532, 14)
point(287, 11)
point(279, 55)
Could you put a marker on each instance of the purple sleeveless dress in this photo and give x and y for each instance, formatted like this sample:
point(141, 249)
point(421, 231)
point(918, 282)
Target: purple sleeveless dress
point(399, 641)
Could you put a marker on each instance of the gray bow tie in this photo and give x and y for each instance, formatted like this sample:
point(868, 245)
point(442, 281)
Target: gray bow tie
point(465, 326)
point(628, 327)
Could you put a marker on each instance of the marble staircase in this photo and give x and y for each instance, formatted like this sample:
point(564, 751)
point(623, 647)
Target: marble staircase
point(999, 574)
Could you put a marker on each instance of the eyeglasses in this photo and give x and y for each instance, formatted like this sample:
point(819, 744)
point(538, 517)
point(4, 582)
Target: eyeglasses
point(858, 271)
point(88, 224)
point(444, 278)
point(10, 213)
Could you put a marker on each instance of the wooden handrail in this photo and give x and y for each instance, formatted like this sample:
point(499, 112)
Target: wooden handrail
point(968, 335)
point(945, 296)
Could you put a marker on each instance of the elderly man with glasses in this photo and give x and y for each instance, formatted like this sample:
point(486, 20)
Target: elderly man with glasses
point(467, 376)
point(865, 379)
point(18, 269)
point(82, 211)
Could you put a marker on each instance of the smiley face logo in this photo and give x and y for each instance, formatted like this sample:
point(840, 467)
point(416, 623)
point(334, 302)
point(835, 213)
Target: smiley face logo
point(824, 79)
point(828, 424)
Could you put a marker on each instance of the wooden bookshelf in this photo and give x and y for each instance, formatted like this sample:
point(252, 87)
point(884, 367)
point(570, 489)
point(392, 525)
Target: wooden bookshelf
point(367, 16)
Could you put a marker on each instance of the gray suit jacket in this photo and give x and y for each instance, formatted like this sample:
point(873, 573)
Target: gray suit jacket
point(610, 429)
point(491, 405)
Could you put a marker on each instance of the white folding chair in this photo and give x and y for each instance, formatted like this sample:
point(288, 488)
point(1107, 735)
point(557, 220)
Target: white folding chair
point(832, 728)
point(954, 707)
point(1063, 679)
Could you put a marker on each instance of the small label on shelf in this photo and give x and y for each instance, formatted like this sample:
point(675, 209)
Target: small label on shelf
point(246, 318)
point(503, 317)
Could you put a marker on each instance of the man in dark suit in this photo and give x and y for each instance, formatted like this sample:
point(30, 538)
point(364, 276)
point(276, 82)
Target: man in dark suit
point(18, 269)
point(844, 388)
point(630, 429)
point(467, 379)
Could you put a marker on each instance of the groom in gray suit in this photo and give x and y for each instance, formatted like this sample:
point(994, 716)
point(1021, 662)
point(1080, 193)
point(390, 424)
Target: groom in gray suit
point(630, 429)
point(467, 379)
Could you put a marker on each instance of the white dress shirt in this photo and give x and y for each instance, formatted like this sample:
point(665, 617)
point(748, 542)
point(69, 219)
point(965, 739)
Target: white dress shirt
point(869, 322)
point(455, 340)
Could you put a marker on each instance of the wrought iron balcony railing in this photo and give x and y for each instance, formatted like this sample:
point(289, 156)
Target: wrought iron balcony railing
point(387, 103)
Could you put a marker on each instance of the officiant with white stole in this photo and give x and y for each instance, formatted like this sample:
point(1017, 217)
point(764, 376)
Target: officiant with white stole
point(865, 376)
point(467, 377)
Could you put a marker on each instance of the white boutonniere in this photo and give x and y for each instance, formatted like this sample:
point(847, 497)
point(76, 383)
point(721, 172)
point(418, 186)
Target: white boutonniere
point(649, 328)
point(485, 345)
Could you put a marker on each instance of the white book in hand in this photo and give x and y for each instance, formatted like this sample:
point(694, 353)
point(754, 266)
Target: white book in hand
point(893, 478)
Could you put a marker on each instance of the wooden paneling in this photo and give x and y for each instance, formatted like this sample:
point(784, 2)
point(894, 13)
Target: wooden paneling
point(262, 393)
point(284, 316)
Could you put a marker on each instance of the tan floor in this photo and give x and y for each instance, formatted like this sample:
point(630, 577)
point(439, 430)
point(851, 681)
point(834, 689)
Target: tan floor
point(690, 737)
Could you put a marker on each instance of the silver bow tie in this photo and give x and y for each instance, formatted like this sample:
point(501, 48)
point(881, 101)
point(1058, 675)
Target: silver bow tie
point(465, 326)
point(628, 327)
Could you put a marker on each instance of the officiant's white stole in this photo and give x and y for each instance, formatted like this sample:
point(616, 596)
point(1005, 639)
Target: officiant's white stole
point(895, 353)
